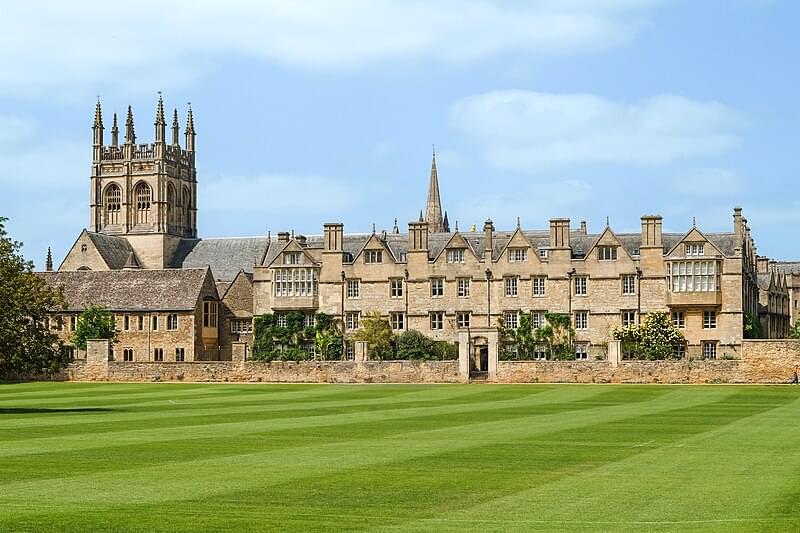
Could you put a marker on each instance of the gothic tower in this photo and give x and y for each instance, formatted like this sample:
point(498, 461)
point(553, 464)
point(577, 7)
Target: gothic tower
point(433, 211)
point(145, 192)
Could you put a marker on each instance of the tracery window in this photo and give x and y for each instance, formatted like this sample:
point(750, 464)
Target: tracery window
point(143, 200)
point(113, 203)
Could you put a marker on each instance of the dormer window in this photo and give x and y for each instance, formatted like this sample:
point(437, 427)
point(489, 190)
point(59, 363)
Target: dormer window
point(607, 253)
point(517, 255)
point(695, 249)
point(347, 257)
point(373, 256)
point(456, 255)
point(542, 253)
point(292, 258)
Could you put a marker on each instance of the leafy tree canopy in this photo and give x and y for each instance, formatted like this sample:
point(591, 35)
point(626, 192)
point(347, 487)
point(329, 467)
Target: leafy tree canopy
point(655, 338)
point(27, 346)
point(95, 322)
point(377, 333)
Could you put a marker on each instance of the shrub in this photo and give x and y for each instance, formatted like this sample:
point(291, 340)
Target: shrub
point(293, 341)
point(654, 339)
point(377, 333)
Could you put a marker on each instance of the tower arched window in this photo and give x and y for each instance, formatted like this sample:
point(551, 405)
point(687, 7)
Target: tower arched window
point(171, 211)
point(143, 200)
point(186, 207)
point(113, 203)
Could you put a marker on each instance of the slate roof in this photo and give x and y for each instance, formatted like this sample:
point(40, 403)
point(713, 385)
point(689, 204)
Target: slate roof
point(225, 256)
point(788, 267)
point(580, 243)
point(130, 290)
point(114, 250)
point(763, 280)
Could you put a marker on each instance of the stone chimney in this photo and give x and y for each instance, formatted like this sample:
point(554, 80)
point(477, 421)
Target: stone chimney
point(418, 236)
point(584, 228)
point(762, 264)
point(651, 231)
point(333, 233)
point(559, 233)
point(283, 236)
point(301, 240)
point(488, 240)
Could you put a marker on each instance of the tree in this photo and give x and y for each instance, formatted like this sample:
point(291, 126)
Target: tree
point(752, 327)
point(794, 331)
point(328, 337)
point(94, 322)
point(377, 333)
point(412, 344)
point(27, 346)
point(655, 338)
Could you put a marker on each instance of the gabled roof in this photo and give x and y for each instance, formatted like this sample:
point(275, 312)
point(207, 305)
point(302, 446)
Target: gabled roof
point(456, 240)
point(700, 234)
point(291, 246)
point(114, 250)
point(131, 290)
point(373, 239)
point(609, 231)
point(226, 256)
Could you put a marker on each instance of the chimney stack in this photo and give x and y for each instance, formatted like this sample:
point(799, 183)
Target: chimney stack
point(651, 231)
point(559, 233)
point(283, 236)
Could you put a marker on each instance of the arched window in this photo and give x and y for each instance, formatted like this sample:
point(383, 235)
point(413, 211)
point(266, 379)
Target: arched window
point(187, 204)
point(143, 200)
point(112, 203)
point(171, 211)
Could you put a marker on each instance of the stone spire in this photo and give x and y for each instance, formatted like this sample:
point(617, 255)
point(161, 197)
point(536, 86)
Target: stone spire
point(446, 223)
point(190, 133)
point(49, 263)
point(114, 132)
point(433, 211)
point(97, 132)
point(130, 134)
point(161, 123)
point(176, 129)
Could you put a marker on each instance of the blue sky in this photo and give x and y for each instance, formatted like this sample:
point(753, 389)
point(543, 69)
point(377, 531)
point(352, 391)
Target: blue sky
point(326, 111)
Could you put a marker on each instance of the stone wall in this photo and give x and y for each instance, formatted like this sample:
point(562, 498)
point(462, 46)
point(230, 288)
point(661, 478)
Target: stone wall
point(686, 371)
point(273, 372)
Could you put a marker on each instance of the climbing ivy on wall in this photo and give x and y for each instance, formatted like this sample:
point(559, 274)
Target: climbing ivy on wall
point(295, 341)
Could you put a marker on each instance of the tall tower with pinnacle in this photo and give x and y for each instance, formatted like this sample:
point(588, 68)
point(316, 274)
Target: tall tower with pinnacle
point(433, 211)
point(145, 192)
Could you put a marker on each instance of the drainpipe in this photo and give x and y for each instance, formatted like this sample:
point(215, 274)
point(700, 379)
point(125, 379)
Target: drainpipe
point(488, 298)
point(638, 295)
point(344, 324)
point(405, 274)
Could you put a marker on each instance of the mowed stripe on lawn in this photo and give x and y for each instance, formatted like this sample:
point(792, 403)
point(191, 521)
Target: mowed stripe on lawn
point(354, 457)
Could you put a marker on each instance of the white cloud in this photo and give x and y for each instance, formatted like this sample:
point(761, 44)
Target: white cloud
point(524, 130)
point(277, 194)
point(44, 45)
point(52, 166)
point(708, 182)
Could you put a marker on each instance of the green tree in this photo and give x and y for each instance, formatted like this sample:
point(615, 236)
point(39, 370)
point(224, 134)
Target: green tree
point(94, 322)
point(377, 333)
point(27, 346)
point(328, 337)
point(411, 344)
point(752, 327)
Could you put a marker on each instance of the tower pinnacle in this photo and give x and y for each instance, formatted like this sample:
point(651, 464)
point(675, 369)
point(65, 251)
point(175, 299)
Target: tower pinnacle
point(130, 134)
point(114, 132)
point(161, 123)
point(190, 133)
point(175, 129)
point(433, 210)
point(49, 263)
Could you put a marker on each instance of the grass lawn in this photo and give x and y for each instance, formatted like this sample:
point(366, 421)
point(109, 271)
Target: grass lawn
point(190, 457)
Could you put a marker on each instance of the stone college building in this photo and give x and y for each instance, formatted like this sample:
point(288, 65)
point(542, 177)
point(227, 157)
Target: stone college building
point(178, 297)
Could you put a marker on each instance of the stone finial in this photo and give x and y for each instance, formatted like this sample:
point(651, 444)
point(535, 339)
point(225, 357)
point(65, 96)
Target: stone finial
point(97, 126)
point(176, 129)
point(114, 132)
point(190, 133)
point(395, 229)
point(519, 224)
point(130, 133)
point(161, 123)
point(49, 262)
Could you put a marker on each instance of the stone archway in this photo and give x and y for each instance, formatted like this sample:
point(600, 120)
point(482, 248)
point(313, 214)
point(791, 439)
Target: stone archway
point(477, 352)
